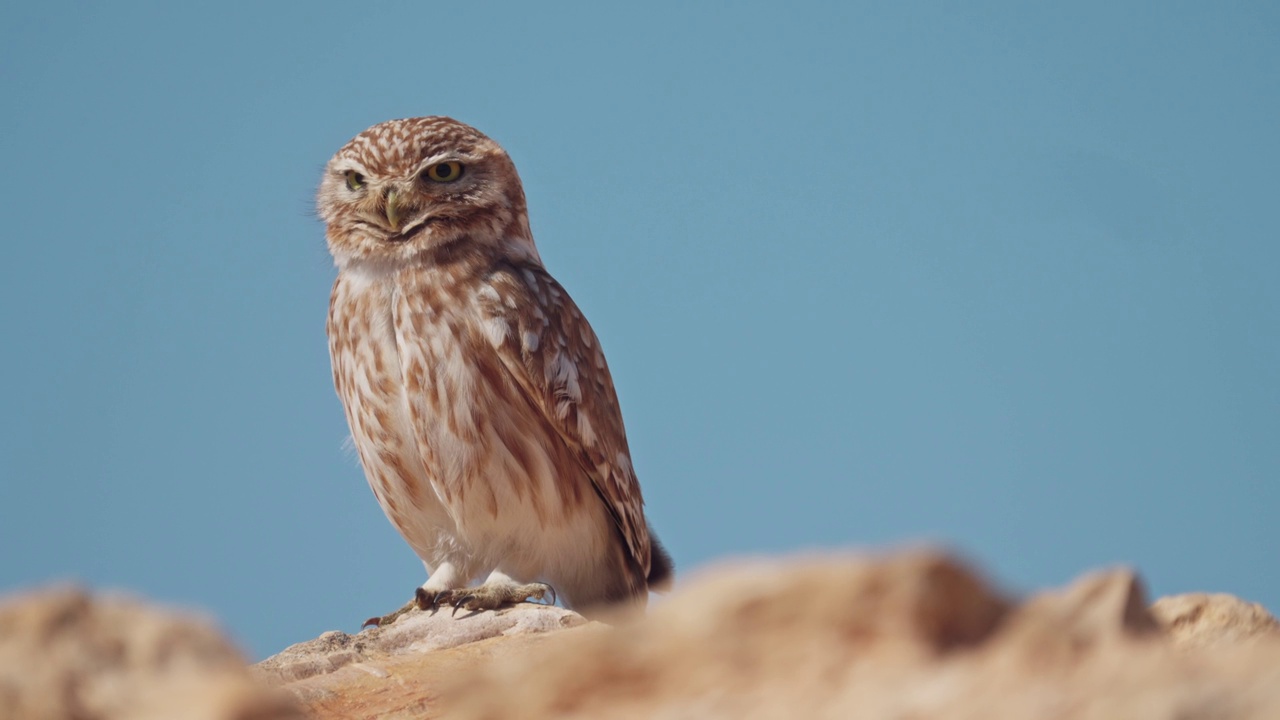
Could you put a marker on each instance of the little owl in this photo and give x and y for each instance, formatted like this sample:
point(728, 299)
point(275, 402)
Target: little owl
point(477, 394)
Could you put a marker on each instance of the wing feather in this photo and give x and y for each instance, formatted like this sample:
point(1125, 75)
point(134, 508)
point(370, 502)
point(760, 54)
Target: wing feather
point(554, 357)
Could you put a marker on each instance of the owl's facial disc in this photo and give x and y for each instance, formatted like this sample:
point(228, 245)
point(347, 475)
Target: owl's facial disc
point(406, 188)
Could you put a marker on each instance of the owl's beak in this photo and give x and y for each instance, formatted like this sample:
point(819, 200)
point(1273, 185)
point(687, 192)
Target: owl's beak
point(393, 213)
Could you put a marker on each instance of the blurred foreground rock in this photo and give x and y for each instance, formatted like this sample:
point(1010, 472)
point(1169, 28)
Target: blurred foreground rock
point(65, 655)
point(910, 635)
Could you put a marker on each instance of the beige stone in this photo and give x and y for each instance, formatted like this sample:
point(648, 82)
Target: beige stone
point(911, 635)
point(67, 655)
point(915, 635)
point(1200, 620)
point(397, 671)
point(414, 634)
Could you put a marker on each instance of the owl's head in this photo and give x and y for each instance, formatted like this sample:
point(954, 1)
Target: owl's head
point(405, 189)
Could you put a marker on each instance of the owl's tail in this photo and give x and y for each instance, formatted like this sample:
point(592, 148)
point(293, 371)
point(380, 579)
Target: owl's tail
point(661, 569)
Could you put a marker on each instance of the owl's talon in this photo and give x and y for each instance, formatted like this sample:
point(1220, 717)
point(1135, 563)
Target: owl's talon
point(535, 593)
point(460, 602)
point(386, 620)
point(437, 599)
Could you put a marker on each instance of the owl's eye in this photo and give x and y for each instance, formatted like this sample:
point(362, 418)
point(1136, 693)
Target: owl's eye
point(444, 172)
point(355, 180)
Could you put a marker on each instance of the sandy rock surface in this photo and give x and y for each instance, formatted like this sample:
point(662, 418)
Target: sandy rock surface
point(907, 635)
point(397, 671)
point(68, 655)
point(1198, 620)
point(914, 635)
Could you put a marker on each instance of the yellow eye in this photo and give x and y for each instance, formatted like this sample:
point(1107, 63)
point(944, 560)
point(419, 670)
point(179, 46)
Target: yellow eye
point(355, 180)
point(444, 172)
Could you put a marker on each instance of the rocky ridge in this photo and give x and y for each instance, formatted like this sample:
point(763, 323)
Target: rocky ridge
point(914, 634)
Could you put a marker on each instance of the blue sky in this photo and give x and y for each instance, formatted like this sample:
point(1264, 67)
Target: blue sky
point(996, 276)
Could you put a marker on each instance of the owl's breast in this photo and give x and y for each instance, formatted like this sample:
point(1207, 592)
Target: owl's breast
point(453, 450)
point(369, 375)
point(483, 445)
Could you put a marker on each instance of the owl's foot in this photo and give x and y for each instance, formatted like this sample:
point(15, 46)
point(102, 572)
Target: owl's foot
point(489, 596)
point(386, 620)
point(492, 596)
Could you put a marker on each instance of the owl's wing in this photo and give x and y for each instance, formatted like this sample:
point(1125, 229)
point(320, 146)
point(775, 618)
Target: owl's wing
point(554, 357)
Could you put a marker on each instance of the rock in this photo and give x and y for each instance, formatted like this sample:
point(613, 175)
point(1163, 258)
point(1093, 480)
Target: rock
point(397, 671)
point(1199, 620)
point(915, 635)
point(65, 654)
point(908, 635)
point(795, 638)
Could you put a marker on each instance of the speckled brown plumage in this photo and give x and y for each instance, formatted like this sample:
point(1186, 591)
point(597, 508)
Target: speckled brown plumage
point(477, 394)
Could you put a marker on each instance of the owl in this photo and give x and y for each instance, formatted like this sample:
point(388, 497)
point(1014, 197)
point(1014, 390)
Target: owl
point(477, 394)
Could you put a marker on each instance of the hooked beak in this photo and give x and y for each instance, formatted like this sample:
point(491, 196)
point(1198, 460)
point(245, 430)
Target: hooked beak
point(393, 213)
